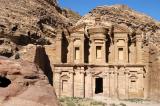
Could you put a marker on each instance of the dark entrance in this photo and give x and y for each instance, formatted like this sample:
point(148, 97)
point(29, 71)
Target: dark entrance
point(99, 85)
point(4, 82)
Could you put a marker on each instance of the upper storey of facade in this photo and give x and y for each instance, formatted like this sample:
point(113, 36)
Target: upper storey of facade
point(99, 45)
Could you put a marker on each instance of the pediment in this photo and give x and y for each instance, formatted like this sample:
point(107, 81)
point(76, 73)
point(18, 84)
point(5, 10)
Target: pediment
point(65, 77)
point(98, 74)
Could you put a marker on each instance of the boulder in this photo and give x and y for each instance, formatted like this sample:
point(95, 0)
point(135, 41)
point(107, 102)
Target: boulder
point(22, 83)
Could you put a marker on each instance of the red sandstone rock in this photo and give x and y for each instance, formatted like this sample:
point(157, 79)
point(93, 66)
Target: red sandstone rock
point(28, 87)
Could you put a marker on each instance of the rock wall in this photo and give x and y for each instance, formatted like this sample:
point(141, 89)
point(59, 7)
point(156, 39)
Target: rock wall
point(43, 61)
point(22, 83)
point(154, 67)
point(122, 15)
point(30, 22)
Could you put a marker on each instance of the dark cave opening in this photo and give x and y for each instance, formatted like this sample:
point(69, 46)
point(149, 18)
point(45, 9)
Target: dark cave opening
point(4, 82)
point(6, 54)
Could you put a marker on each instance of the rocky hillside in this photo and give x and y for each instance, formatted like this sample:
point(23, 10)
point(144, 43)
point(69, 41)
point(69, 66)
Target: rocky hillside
point(24, 22)
point(23, 16)
point(71, 15)
point(121, 14)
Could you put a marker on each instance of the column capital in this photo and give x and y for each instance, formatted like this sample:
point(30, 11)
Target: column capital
point(139, 38)
point(88, 72)
point(82, 72)
point(58, 38)
point(92, 40)
point(71, 72)
point(71, 39)
point(82, 38)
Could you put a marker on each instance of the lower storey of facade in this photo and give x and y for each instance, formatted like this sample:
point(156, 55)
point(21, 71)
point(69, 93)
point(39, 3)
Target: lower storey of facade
point(86, 81)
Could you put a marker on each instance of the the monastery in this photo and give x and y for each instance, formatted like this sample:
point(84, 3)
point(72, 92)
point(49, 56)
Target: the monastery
point(100, 60)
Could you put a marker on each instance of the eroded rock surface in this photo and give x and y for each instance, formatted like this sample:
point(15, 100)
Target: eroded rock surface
point(122, 15)
point(31, 22)
point(24, 84)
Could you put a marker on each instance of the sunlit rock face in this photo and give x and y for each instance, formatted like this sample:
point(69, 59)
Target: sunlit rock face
point(22, 83)
point(122, 15)
point(30, 22)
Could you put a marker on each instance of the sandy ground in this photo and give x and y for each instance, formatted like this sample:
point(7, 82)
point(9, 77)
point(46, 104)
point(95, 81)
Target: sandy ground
point(128, 103)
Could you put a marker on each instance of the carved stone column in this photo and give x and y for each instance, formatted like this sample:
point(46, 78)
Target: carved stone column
point(138, 48)
point(71, 51)
point(127, 83)
point(141, 84)
point(59, 48)
point(132, 54)
point(88, 84)
point(82, 50)
point(126, 51)
point(57, 83)
point(116, 81)
point(112, 83)
point(104, 51)
point(92, 52)
point(82, 87)
point(115, 51)
point(72, 83)
point(79, 86)
point(106, 82)
point(112, 54)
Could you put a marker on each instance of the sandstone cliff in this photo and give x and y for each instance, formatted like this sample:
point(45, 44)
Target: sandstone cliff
point(121, 14)
point(22, 83)
point(71, 15)
point(24, 22)
point(28, 15)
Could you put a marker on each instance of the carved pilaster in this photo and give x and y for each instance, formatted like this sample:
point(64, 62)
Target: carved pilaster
point(71, 50)
point(72, 83)
point(91, 52)
point(82, 49)
point(59, 48)
point(127, 83)
point(57, 83)
point(139, 49)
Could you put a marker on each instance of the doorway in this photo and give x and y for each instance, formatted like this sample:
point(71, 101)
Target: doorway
point(98, 85)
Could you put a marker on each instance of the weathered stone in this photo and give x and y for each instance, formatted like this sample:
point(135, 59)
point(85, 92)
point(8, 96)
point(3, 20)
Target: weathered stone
point(23, 83)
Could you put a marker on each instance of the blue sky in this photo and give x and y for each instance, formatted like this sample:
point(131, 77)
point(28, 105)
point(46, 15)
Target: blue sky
point(149, 7)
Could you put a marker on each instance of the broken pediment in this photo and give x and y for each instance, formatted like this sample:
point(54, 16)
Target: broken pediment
point(65, 77)
point(98, 74)
point(98, 30)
